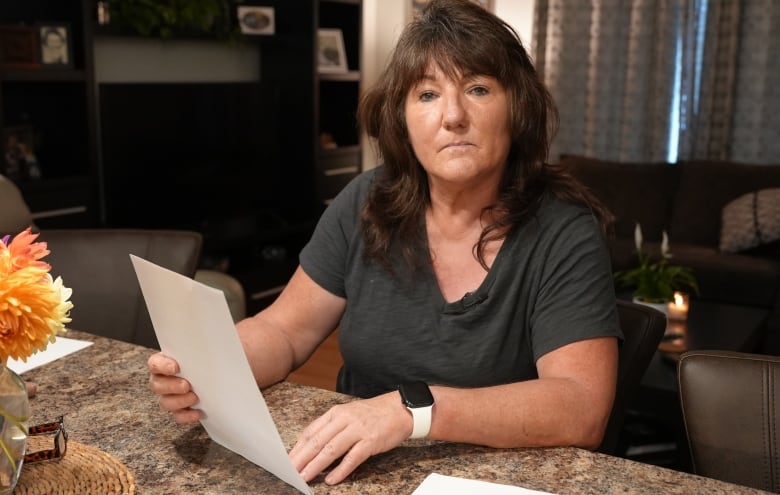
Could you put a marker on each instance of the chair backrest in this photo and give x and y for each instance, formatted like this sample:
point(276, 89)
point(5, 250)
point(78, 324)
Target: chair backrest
point(643, 327)
point(15, 215)
point(107, 298)
point(731, 409)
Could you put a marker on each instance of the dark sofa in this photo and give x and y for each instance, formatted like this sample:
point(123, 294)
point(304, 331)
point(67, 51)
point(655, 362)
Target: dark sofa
point(710, 211)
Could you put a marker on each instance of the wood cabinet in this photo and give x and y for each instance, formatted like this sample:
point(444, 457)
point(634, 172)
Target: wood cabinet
point(49, 106)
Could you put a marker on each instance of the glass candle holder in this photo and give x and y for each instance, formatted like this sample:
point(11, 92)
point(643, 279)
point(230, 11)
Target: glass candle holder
point(677, 308)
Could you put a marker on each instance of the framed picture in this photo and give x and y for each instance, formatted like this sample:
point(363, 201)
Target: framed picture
point(55, 43)
point(256, 20)
point(331, 56)
point(18, 154)
point(414, 7)
point(18, 47)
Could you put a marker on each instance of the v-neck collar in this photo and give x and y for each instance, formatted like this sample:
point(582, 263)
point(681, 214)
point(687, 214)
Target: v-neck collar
point(470, 299)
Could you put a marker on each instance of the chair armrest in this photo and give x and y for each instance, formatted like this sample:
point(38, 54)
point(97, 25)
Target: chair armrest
point(230, 286)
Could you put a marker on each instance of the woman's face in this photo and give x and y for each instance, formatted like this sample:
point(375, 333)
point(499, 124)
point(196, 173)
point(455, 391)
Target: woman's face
point(459, 129)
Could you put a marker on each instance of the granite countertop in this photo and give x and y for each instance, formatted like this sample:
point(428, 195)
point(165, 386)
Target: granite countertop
point(103, 393)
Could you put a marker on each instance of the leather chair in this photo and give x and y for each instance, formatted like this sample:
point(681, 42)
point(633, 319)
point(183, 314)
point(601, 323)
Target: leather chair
point(73, 253)
point(731, 409)
point(643, 327)
point(95, 263)
point(15, 216)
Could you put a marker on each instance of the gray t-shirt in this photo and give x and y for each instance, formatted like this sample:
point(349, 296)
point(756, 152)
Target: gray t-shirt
point(550, 285)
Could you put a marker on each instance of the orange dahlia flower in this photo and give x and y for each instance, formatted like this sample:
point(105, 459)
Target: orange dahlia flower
point(33, 306)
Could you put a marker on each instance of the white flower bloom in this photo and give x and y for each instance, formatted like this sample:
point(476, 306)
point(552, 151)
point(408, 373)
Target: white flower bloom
point(665, 246)
point(63, 308)
point(638, 237)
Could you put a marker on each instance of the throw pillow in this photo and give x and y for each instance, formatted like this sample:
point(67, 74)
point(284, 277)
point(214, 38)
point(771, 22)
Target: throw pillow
point(750, 221)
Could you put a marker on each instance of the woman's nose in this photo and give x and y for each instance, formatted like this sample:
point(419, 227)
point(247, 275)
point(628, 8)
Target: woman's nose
point(453, 113)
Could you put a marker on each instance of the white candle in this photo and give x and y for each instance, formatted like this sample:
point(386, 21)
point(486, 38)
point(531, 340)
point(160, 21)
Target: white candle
point(678, 308)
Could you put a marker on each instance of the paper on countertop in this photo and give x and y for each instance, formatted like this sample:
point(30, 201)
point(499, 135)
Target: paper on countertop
point(55, 350)
point(193, 325)
point(436, 484)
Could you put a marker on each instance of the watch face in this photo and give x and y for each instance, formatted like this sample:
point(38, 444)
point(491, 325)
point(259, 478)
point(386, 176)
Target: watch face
point(416, 394)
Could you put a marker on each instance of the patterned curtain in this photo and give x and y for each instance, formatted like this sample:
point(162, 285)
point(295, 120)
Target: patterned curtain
point(708, 83)
point(612, 67)
point(739, 113)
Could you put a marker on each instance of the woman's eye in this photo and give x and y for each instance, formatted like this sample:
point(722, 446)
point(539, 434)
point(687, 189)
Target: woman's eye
point(479, 90)
point(427, 96)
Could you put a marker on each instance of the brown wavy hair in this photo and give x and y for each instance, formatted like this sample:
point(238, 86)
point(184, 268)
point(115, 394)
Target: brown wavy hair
point(461, 38)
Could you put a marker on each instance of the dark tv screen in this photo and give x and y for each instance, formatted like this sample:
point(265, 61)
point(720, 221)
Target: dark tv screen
point(183, 155)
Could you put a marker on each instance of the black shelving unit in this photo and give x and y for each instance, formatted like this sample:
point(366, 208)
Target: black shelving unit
point(57, 106)
point(311, 103)
point(336, 104)
point(317, 102)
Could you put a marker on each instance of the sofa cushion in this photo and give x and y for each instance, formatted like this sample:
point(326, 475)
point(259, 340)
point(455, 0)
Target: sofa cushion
point(633, 192)
point(705, 188)
point(751, 221)
point(731, 278)
point(722, 277)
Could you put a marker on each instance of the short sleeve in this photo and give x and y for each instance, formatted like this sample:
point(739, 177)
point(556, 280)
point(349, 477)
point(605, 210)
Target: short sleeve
point(325, 257)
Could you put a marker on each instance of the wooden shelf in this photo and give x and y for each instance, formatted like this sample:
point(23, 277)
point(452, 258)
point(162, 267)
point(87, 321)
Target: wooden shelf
point(54, 107)
point(42, 75)
point(352, 75)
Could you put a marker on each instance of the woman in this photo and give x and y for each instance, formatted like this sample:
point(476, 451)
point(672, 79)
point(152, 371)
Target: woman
point(465, 272)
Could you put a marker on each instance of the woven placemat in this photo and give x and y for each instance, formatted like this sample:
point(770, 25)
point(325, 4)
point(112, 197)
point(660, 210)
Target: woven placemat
point(84, 470)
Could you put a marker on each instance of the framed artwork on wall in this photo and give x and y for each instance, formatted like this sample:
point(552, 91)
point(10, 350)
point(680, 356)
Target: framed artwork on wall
point(55, 43)
point(18, 47)
point(331, 56)
point(414, 7)
point(256, 20)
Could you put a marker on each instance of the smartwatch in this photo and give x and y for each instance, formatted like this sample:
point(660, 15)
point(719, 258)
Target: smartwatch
point(417, 397)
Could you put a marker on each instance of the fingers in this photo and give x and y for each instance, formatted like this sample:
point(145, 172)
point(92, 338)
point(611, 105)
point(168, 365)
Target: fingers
point(175, 393)
point(176, 397)
point(168, 385)
point(356, 431)
point(32, 388)
point(352, 459)
point(322, 443)
point(174, 402)
point(161, 364)
point(186, 416)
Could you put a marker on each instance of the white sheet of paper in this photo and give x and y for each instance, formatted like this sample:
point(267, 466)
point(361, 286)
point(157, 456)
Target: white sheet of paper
point(193, 325)
point(55, 350)
point(436, 484)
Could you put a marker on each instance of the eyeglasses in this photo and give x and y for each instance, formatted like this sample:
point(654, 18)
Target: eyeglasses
point(56, 428)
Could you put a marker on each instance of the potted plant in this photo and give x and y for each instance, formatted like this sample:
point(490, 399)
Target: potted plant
point(168, 18)
point(654, 281)
point(34, 308)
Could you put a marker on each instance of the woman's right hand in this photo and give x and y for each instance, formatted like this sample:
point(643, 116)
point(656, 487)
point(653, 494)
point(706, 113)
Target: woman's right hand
point(174, 393)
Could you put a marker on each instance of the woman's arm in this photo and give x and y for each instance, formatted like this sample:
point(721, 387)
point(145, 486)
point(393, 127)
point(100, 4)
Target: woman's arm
point(569, 404)
point(276, 341)
point(280, 338)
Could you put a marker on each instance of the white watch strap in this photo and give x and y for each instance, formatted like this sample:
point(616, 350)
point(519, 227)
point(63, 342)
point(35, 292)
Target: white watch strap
point(422, 421)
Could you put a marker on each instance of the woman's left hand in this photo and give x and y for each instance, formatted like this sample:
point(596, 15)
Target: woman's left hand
point(356, 430)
